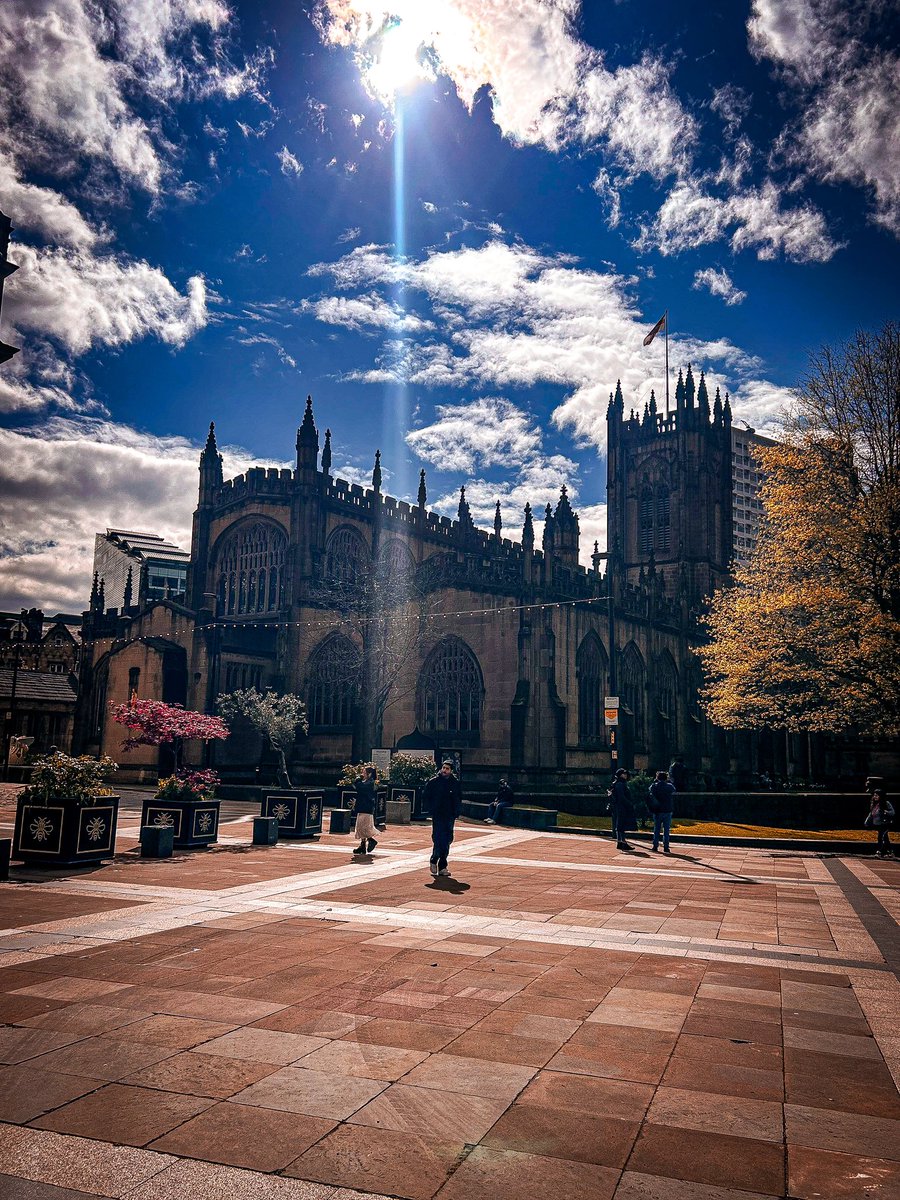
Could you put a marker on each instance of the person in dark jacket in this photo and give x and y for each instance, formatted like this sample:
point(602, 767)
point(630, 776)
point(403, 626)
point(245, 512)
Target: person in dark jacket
point(662, 805)
point(880, 818)
point(621, 808)
point(364, 807)
point(443, 799)
point(505, 796)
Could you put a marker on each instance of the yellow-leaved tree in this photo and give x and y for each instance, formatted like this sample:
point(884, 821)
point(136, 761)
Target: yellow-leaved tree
point(808, 636)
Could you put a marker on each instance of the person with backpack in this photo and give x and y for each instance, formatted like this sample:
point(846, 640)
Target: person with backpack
point(880, 818)
point(661, 802)
point(621, 809)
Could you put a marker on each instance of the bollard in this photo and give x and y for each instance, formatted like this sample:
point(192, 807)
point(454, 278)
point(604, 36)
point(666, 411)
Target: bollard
point(157, 841)
point(5, 849)
point(341, 820)
point(265, 831)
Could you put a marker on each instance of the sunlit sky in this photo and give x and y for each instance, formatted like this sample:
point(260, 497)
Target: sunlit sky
point(451, 222)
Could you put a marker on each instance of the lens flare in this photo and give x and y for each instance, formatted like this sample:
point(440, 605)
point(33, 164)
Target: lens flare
point(397, 62)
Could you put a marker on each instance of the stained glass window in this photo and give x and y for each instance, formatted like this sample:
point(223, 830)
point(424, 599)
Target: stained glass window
point(332, 682)
point(631, 689)
point(451, 690)
point(591, 668)
point(251, 570)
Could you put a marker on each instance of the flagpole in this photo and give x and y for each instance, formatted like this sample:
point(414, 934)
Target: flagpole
point(667, 364)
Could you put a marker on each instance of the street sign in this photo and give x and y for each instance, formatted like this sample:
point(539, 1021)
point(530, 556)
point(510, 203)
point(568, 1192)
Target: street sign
point(610, 701)
point(611, 716)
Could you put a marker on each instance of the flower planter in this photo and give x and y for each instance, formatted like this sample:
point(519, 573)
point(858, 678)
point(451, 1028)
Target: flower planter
point(194, 822)
point(65, 832)
point(299, 811)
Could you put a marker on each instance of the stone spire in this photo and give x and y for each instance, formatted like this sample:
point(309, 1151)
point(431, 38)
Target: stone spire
point(689, 388)
point(326, 454)
point(679, 391)
point(528, 530)
point(210, 466)
point(127, 594)
point(703, 398)
point(423, 494)
point(376, 472)
point(717, 408)
point(101, 596)
point(565, 530)
point(95, 594)
point(726, 411)
point(463, 512)
point(307, 440)
point(498, 522)
point(548, 530)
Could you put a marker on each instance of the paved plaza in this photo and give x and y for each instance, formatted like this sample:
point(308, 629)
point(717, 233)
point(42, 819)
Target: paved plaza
point(556, 1020)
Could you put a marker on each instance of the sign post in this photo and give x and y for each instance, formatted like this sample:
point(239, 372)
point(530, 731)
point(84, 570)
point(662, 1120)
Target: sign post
point(611, 721)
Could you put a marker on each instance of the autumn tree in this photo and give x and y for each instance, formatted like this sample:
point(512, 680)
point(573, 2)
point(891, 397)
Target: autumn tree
point(808, 636)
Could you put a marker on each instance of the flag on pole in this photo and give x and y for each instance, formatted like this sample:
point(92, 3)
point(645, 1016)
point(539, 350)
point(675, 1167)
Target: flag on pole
point(660, 324)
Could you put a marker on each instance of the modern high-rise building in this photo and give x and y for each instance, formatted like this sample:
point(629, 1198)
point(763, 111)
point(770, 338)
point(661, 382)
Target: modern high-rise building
point(134, 568)
point(746, 485)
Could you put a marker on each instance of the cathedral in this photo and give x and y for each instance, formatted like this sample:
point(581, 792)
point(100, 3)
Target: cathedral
point(402, 628)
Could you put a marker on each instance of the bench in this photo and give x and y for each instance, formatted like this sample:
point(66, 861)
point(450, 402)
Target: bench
point(518, 815)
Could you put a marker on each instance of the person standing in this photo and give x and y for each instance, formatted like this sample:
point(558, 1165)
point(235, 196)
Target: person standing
point(880, 818)
point(443, 799)
point(364, 807)
point(662, 805)
point(504, 798)
point(621, 808)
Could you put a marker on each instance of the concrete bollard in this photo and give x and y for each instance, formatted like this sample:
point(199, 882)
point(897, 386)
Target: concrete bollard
point(265, 831)
point(399, 812)
point(157, 841)
point(5, 851)
point(341, 820)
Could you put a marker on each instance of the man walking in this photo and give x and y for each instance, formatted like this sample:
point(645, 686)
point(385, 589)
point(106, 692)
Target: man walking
point(621, 808)
point(443, 799)
point(662, 805)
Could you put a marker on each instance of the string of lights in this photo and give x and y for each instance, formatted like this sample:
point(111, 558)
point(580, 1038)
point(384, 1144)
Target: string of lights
point(336, 621)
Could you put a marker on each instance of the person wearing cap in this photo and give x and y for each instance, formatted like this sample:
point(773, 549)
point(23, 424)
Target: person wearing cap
point(443, 799)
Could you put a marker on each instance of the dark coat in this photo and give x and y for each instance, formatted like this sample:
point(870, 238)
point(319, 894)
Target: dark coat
point(505, 794)
point(621, 806)
point(678, 773)
point(365, 796)
point(662, 796)
point(443, 797)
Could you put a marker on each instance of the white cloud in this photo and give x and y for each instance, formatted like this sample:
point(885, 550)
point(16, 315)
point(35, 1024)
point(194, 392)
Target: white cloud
point(72, 479)
point(82, 300)
point(719, 283)
point(367, 312)
point(43, 210)
point(290, 164)
point(751, 219)
point(513, 317)
point(466, 437)
point(263, 339)
point(843, 64)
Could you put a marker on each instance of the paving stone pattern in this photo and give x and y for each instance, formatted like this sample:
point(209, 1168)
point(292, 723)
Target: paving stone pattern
point(555, 1020)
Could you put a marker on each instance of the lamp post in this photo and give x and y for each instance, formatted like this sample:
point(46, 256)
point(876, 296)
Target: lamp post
point(212, 675)
point(10, 716)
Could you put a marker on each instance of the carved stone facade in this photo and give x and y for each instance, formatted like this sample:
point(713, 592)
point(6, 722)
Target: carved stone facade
point(501, 652)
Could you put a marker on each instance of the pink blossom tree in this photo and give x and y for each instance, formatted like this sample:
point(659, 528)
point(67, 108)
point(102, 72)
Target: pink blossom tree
point(155, 723)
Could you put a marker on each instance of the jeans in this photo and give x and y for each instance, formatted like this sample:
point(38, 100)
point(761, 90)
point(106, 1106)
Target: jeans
point(496, 808)
point(661, 821)
point(441, 837)
point(884, 842)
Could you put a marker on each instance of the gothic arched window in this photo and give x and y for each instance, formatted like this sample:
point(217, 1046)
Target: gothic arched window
point(645, 533)
point(250, 570)
point(332, 683)
point(591, 668)
point(397, 559)
point(346, 556)
point(665, 686)
point(663, 517)
point(450, 691)
point(631, 688)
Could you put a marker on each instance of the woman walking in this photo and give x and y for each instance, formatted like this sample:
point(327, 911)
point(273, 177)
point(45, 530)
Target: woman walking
point(364, 806)
point(880, 818)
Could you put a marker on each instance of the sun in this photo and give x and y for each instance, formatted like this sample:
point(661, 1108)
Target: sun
point(396, 61)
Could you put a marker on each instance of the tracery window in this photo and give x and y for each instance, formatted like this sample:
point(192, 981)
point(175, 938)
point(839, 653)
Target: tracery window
point(654, 519)
point(591, 669)
point(450, 690)
point(250, 576)
point(663, 517)
point(666, 688)
point(332, 676)
point(631, 689)
point(346, 556)
point(397, 559)
point(646, 522)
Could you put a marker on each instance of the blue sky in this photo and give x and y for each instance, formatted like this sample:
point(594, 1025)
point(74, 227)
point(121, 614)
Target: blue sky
point(452, 222)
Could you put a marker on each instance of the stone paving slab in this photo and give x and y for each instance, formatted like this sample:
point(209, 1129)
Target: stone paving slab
point(555, 1019)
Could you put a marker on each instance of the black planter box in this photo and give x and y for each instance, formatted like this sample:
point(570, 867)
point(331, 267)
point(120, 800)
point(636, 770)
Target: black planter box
point(348, 798)
point(299, 811)
point(65, 833)
point(193, 822)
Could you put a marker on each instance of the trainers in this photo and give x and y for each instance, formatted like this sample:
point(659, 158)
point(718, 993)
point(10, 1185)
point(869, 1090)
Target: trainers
point(667, 850)
point(434, 869)
point(371, 845)
point(444, 871)
point(489, 821)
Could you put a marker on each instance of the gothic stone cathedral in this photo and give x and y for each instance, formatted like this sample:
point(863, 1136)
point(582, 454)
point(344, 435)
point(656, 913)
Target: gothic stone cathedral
point(401, 627)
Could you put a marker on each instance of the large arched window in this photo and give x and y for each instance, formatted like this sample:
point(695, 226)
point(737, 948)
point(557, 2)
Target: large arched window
point(332, 683)
point(396, 559)
point(346, 556)
point(250, 570)
point(645, 534)
point(631, 689)
point(665, 686)
point(591, 669)
point(654, 519)
point(450, 691)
